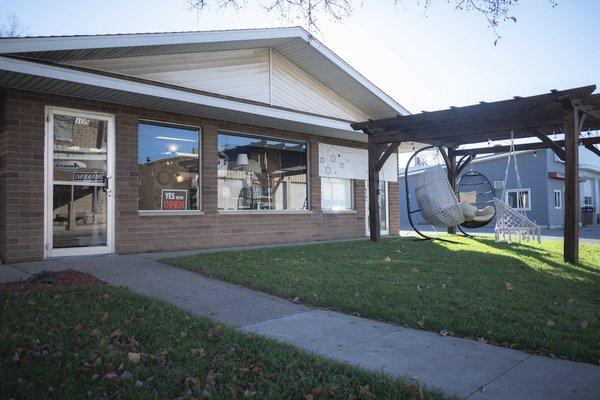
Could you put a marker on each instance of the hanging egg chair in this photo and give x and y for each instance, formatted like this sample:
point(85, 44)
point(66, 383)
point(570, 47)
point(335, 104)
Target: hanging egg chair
point(476, 193)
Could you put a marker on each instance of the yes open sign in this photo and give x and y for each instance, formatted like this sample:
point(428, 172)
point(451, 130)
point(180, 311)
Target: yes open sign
point(172, 199)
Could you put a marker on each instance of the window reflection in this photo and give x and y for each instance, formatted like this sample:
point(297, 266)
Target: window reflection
point(261, 174)
point(168, 167)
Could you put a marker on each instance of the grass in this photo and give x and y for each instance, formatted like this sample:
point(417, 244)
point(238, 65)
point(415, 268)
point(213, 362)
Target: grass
point(517, 295)
point(76, 344)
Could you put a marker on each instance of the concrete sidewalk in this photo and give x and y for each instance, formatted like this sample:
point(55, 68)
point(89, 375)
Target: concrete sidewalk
point(465, 368)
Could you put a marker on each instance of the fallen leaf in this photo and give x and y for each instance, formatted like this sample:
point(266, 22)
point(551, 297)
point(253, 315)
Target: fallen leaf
point(198, 352)
point(134, 358)
point(366, 391)
point(550, 323)
point(444, 332)
point(508, 286)
point(95, 332)
point(209, 384)
point(111, 376)
point(78, 328)
point(570, 300)
point(387, 259)
point(414, 269)
point(214, 331)
point(191, 382)
point(583, 324)
point(296, 300)
point(116, 334)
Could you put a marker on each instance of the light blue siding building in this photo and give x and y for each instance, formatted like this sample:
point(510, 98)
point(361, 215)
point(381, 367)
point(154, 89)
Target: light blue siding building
point(542, 185)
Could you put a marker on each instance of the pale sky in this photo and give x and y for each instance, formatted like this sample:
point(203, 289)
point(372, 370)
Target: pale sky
point(425, 62)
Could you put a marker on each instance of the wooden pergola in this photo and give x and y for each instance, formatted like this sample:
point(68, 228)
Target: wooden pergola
point(566, 111)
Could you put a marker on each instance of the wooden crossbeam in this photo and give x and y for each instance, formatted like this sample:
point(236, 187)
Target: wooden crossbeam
point(593, 149)
point(550, 144)
point(523, 146)
point(387, 152)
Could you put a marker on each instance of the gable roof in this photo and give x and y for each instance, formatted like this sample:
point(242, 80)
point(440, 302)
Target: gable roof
point(294, 43)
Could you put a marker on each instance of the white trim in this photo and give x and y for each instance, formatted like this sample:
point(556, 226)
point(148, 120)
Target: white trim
point(57, 43)
point(49, 113)
point(109, 82)
point(168, 213)
point(263, 212)
point(339, 211)
point(560, 197)
point(528, 190)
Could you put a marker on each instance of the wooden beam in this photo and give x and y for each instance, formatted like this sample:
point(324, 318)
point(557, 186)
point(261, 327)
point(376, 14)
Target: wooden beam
point(451, 177)
point(389, 150)
point(498, 108)
point(374, 218)
point(571, 230)
point(593, 149)
point(558, 150)
point(521, 147)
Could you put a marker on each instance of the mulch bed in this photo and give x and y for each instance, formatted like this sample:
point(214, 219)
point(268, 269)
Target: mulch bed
point(51, 281)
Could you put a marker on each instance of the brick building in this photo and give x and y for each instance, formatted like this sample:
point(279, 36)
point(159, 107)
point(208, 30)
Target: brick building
point(154, 142)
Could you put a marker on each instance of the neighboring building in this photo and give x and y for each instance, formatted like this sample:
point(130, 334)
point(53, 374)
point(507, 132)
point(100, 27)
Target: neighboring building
point(542, 184)
point(153, 142)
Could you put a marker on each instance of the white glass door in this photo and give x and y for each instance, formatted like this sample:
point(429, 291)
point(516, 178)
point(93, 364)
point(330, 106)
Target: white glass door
point(79, 183)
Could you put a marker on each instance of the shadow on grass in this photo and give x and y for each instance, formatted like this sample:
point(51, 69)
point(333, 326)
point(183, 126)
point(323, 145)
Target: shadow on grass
point(460, 287)
point(547, 256)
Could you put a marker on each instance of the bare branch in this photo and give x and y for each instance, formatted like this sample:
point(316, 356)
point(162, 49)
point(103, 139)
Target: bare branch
point(12, 27)
point(308, 11)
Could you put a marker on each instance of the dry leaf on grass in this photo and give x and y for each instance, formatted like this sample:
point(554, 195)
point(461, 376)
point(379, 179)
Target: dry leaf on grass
point(550, 322)
point(387, 259)
point(583, 324)
point(508, 286)
point(414, 269)
point(134, 358)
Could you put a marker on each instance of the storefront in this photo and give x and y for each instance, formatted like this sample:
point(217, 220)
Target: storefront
point(138, 167)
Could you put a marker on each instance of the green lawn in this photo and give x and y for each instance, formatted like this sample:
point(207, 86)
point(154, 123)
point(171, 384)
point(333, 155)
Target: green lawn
point(517, 295)
point(76, 345)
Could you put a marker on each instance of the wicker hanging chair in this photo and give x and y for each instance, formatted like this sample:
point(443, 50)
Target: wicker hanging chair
point(436, 199)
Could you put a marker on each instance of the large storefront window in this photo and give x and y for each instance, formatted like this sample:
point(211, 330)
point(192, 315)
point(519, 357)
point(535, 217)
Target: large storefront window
point(337, 194)
point(256, 173)
point(168, 167)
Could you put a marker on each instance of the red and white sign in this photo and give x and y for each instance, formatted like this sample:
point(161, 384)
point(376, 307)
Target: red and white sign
point(173, 199)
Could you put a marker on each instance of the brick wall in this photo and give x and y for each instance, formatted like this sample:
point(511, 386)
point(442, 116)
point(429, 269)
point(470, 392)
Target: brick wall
point(22, 178)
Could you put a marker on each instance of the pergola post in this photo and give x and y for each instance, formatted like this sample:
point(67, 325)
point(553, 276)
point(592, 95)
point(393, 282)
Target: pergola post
point(571, 231)
point(374, 218)
point(452, 178)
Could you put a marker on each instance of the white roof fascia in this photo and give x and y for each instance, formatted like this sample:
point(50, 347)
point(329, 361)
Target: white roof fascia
point(87, 78)
point(57, 43)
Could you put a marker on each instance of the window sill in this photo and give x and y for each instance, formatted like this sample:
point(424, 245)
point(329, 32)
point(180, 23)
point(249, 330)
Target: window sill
point(263, 212)
point(339, 211)
point(167, 213)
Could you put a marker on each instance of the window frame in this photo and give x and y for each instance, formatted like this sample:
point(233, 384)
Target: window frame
point(352, 208)
point(282, 139)
point(560, 197)
point(528, 190)
point(198, 129)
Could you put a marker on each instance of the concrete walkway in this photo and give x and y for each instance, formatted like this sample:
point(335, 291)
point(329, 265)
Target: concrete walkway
point(465, 368)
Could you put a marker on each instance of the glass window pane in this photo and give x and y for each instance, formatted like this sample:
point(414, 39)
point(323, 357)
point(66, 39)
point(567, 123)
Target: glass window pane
point(524, 199)
point(79, 216)
point(511, 198)
point(383, 205)
point(336, 194)
point(261, 174)
point(168, 167)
